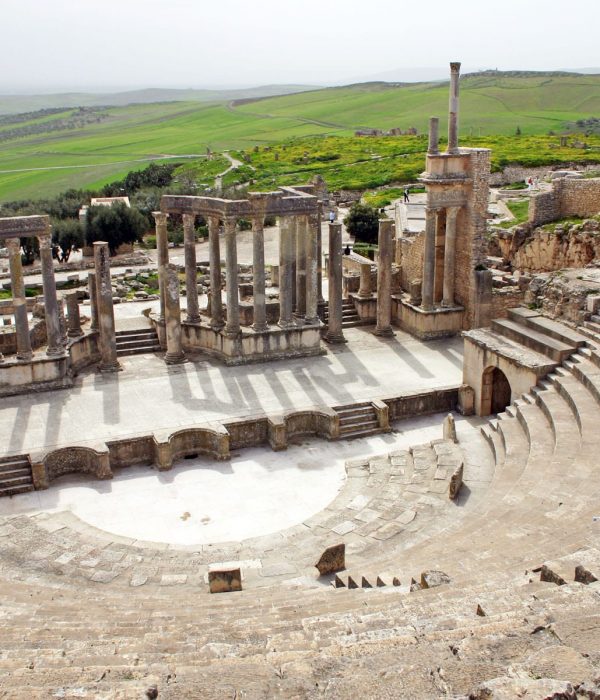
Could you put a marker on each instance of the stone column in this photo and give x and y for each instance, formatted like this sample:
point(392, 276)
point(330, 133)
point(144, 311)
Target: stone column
point(74, 329)
point(365, 290)
point(214, 255)
point(429, 258)
point(232, 327)
point(434, 136)
point(174, 354)
point(286, 255)
point(191, 278)
point(449, 256)
point(93, 301)
point(453, 108)
point(55, 346)
point(162, 249)
point(294, 238)
point(321, 300)
point(334, 275)
point(311, 268)
point(301, 236)
point(258, 267)
point(106, 317)
point(17, 284)
point(384, 278)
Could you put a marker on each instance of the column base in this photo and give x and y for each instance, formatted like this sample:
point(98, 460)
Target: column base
point(74, 334)
point(58, 351)
point(285, 324)
point(448, 304)
point(232, 332)
point(260, 327)
point(315, 321)
point(175, 358)
point(368, 295)
point(387, 332)
point(192, 319)
point(108, 368)
point(25, 356)
point(334, 338)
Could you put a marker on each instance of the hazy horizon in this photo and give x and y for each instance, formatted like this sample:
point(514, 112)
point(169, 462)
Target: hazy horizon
point(72, 46)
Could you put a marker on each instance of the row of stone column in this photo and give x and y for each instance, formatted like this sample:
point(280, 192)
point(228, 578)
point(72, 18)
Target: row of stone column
point(51, 307)
point(429, 268)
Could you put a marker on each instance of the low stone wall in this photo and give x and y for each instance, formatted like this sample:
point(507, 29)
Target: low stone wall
point(409, 255)
point(503, 300)
point(37, 336)
point(519, 173)
point(217, 441)
point(568, 197)
point(84, 351)
point(41, 374)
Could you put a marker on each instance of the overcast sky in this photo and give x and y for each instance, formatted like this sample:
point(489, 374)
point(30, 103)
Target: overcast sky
point(79, 44)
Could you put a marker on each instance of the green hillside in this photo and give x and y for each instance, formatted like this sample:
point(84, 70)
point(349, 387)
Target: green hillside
point(44, 153)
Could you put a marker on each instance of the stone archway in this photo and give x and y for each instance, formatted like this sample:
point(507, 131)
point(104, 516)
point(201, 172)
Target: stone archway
point(495, 391)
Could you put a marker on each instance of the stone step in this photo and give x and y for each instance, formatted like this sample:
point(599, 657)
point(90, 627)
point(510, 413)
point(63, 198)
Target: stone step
point(8, 464)
point(359, 433)
point(15, 489)
point(133, 332)
point(351, 421)
point(546, 326)
point(530, 338)
point(140, 350)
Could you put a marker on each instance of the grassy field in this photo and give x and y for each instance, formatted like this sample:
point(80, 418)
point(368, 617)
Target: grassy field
point(127, 138)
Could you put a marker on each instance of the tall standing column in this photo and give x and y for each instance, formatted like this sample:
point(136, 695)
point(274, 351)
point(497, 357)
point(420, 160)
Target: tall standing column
point(301, 235)
point(384, 279)
point(320, 298)
point(74, 329)
point(17, 284)
point(214, 256)
point(434, 136)
point(174, 354)
point(429, 259)
point(453, 108)
point(286, 255)
point(106, 316)
point(258, 266)
point(162, 250)
point(334, 277)
point(93, 301)
point(450, 256)
point(294, 238)
point(232, 327)
point(312, 263)
point(55, 346)
point(191, 278)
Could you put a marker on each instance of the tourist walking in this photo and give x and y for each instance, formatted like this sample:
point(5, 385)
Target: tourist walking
point(331, 216)
point(406, 197)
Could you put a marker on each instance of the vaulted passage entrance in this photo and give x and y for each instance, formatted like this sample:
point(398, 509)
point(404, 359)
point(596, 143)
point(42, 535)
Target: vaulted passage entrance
point(495, 391)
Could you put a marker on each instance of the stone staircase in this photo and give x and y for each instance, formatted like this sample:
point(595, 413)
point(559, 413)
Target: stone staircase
point(15, 475)
point(137, 341)
point(357, 420)
point(350, 317)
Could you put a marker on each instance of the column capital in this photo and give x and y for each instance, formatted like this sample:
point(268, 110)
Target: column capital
point(13, 245)
point(45, 240)
point(230, 224)
point(188, 219)
point(160, 217)
point(451, 212)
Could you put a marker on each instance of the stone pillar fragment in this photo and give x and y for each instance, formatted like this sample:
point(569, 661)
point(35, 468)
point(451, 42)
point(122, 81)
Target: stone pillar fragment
point(51, 311)
point(365, 290)
point(214, 256)
point(162, 250)
point(232, 327)
point(191, 283)
point(93, 301)
point(334, 324)
point(106, 317)
point(321, 300)
point(429, 258)
point(17, 284)
point(258, 263)
point(301, 235)
point(74, 327)
point(174, 354)
point(450, 257)
point(313, 231)
point(384, 279)
point(453, 108)
point(434, 136)
point(286, 256)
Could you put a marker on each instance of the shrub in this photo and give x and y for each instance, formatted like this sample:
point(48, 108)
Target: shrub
point(362, 222)
point(67, 236)
point(116, 225)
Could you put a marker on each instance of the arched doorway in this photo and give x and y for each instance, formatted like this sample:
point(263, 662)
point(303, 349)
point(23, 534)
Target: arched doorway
point(495, 391)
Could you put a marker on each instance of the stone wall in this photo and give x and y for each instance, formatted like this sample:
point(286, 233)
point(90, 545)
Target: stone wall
point(504, 299)
point(409, 254)
point(568, 197)
point(519, 173)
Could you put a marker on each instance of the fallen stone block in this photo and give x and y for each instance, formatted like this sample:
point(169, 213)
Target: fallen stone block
point(332, 560)
point(433, 578)
point(225, 581)
point(449, 428)
point(584, 575)
point(555, 572)
point(456, 481)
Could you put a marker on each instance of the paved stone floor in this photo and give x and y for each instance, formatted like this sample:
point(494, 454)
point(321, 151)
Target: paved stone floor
point(150, 396)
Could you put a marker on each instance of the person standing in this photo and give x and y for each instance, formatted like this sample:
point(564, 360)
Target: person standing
point(331, 216)
point(406, 197)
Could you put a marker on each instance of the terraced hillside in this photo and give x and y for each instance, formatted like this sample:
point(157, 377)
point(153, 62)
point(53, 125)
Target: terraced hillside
point(38, 159)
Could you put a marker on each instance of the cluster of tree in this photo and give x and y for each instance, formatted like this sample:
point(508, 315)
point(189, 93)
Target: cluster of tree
point(362, 222)
point(116, 225)
point(155, 175)
point(73, 120)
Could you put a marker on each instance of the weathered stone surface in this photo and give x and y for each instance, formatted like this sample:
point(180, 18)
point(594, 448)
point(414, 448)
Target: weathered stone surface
point(456, 481)
point(225, 581)
point(510, 688)
point(432, 578)
point(332, 560)
point(449, 428)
